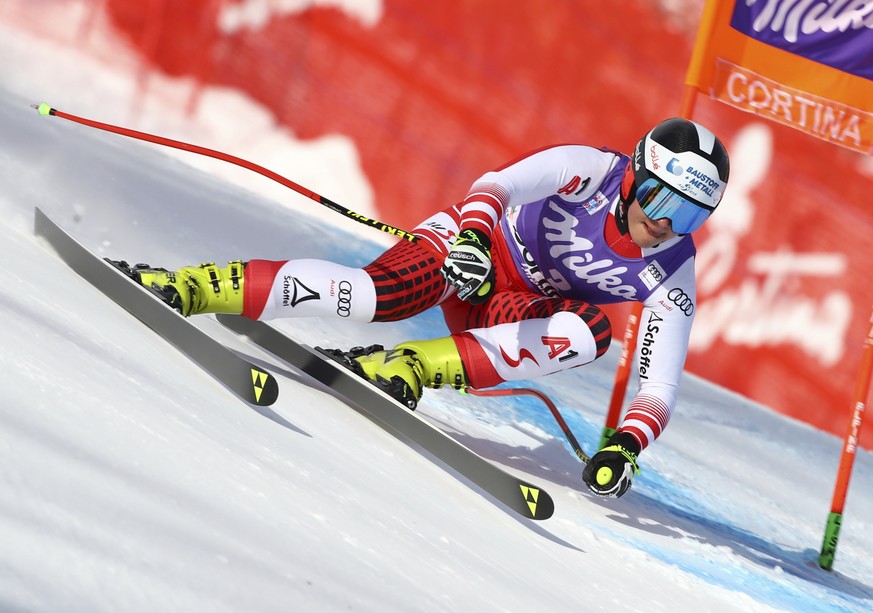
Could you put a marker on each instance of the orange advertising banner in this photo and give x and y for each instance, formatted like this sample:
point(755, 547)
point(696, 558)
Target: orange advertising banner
point(807, 65)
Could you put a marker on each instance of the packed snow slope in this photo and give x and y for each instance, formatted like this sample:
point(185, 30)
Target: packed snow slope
point(130, 480)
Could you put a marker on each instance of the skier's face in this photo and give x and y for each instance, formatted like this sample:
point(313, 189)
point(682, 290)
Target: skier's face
point(646, 232)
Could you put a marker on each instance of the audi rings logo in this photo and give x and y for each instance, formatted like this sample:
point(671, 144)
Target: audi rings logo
point(681, 300)
point(344, 299)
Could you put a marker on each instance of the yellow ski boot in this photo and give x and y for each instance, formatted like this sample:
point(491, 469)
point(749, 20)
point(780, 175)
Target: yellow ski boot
point(196, 289)
point(404, 372)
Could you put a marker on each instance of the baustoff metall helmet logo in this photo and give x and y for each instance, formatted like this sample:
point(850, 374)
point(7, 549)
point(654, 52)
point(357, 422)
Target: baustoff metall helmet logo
point(686, 172)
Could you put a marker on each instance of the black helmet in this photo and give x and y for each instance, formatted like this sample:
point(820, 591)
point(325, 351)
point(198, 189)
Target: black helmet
point(679, 170)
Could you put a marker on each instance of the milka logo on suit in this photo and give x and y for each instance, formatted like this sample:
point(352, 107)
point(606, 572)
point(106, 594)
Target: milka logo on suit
point(574, 252)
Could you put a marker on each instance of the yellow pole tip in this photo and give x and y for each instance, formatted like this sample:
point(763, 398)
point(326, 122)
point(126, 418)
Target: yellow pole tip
point(44, 108)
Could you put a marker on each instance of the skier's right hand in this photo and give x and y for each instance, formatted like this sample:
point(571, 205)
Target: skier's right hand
point(611, 470)
point(468, 266)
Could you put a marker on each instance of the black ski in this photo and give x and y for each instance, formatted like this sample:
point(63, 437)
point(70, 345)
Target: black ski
point(522, 497)
point(245, 379)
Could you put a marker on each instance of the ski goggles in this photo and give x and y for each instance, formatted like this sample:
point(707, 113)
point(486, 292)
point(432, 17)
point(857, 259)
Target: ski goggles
point(658, 202)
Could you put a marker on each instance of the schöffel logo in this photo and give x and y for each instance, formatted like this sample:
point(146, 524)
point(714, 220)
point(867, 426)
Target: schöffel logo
point(836, 34)
point(294, 292)
point(647, 345)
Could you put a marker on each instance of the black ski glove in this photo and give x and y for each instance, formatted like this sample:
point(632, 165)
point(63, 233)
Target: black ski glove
point(468, 266)
point(611, 470)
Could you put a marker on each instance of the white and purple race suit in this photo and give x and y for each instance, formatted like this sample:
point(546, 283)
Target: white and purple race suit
point(557, 252)
point(554, 211)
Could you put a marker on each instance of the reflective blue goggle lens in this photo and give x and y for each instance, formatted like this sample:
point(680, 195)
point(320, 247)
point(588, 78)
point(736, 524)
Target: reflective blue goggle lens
point(659, 202)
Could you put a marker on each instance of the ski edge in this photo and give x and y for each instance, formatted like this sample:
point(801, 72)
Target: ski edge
point(523, 497)
point(245, 379)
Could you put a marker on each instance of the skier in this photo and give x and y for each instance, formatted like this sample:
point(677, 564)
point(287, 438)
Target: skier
point(518, 268)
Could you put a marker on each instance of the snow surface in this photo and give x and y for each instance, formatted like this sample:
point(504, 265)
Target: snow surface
point(132, 481)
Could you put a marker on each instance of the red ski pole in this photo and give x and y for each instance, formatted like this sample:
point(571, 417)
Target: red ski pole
point(525, 391)
point(45, 109)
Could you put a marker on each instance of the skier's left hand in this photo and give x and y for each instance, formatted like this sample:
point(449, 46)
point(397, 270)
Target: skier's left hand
point(468, 267)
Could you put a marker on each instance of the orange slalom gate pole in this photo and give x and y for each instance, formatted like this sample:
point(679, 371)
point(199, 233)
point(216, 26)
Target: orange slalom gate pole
point(847, 459)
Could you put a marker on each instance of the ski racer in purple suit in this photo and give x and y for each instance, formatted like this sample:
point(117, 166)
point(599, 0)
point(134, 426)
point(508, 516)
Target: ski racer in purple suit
point(518, 268)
